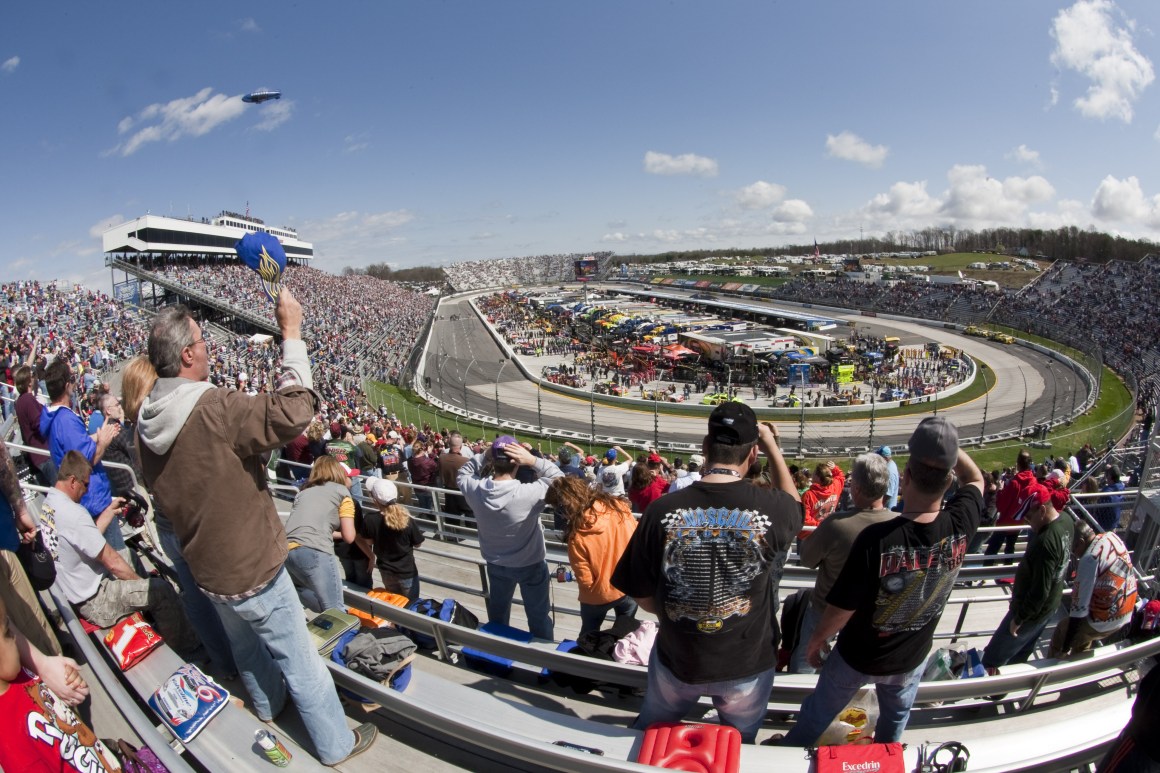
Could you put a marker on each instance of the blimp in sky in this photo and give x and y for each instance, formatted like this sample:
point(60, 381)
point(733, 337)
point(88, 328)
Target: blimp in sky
point(262, 95)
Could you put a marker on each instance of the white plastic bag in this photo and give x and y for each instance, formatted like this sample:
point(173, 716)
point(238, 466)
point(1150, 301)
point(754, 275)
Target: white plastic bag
point(855, 722)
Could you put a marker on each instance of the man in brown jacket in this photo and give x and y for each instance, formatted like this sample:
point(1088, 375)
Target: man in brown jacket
point(202, 450)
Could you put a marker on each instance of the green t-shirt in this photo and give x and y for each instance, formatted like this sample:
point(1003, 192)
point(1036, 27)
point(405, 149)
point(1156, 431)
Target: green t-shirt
point(1039, 580)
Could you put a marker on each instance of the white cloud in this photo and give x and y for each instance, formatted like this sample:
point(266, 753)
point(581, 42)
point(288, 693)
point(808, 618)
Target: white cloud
point(904, 200)
point(972, 200)
point(357, 238)
point(248, 25)
point(1123, 201)
point(355, 143)
point(760, 195)
point(1025, 155)
point(1089, 42)
point(274, 114)
point(850, 147)
point(686, 163)
point(976, 197)
point(98, 228)
point(9, 66)
point(616, 236)
point(171, 121)
point(792, 211)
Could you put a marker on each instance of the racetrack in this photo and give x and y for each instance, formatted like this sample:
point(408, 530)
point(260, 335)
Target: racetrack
point(467, 368)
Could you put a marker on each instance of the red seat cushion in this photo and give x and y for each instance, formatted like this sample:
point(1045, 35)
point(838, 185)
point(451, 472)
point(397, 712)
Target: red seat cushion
point(694, 748)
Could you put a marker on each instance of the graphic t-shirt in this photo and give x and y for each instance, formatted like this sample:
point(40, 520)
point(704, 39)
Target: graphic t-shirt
point(342, 452)
point(897, 580)
point(43, 735)
point(712, 555)
point(611, 478)
point(1105, 585)
point(390, 459)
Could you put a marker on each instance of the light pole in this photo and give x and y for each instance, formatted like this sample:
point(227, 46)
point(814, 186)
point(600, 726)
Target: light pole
point(1023, 413)
point(656, 421)
point(497, 376)
point(463, 380)
point(1054, 392)
point(439, 371)
point(1073, 387)
point(986, 402)
point(592, 410)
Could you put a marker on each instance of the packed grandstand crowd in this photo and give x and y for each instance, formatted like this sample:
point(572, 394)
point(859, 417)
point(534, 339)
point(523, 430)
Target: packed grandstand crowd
point(353, 320)
point(362, 327)
point(531, 270)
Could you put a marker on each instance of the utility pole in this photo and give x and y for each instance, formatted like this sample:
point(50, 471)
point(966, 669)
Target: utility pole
point(497, 377)
point(986, 403)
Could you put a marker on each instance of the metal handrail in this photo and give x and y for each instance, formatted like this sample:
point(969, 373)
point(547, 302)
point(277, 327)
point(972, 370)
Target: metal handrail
point(142, 725)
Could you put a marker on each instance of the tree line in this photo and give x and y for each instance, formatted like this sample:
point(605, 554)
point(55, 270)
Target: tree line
point(1067, 243)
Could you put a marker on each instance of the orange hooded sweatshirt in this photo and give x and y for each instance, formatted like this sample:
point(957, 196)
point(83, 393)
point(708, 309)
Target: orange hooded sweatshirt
point(596, 546)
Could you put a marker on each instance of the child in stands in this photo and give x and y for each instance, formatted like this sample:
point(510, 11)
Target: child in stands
point(40, 731)
point(394, 537)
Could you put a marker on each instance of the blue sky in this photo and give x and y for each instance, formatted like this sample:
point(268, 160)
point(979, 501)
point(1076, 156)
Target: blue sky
point(428, 132)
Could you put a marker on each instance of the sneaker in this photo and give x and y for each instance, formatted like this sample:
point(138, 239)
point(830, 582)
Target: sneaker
point(364, 738)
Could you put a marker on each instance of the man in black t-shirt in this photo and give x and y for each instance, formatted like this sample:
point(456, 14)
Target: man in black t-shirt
point(893, 588)
point(706, 561)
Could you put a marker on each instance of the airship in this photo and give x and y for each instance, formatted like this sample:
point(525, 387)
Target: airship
point(261, 95)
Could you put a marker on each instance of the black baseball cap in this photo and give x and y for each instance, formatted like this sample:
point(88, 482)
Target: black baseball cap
point(733, 424)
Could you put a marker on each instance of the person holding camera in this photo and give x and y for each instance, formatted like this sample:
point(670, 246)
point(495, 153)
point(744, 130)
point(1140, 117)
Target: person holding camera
point(94, 576)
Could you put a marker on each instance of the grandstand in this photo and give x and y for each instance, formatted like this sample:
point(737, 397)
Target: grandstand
point(1054, 716)
point(533, 270)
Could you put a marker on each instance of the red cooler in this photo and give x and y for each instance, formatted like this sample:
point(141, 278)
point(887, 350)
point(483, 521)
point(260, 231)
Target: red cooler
point(694, 748)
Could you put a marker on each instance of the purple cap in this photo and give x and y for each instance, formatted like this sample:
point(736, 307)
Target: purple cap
point(499, 444)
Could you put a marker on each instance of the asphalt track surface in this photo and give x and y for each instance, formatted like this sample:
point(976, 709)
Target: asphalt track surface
point(468, 369)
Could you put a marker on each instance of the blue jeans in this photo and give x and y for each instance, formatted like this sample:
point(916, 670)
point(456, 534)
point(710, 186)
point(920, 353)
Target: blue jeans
point(837, 684)
point(270, 641)
point(316, 577)
point(198, 608)
point(592, 615)
point(1005, 648)
point(404, 586)
point(799, 662)
point(424, 498)
point(533, 582)
point(741, 703)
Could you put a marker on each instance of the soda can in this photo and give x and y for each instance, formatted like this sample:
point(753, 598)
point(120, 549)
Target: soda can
point(275, 751)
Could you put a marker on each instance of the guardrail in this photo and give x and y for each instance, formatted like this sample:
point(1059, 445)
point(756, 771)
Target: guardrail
point(1037, 678)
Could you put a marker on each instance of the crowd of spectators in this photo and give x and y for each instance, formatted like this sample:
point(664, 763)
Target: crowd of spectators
point(1109, 305)
point(530, 270)
point(40, 322)
point(358, 326)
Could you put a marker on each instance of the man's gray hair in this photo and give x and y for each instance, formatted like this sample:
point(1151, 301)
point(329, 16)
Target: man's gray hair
point(107, 399)
point(871, 475)
point(169, 336)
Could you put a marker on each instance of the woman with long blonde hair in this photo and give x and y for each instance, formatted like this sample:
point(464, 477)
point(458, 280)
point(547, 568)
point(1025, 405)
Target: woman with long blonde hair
point(394, 536)
point(323, 512)
point(597, 528)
